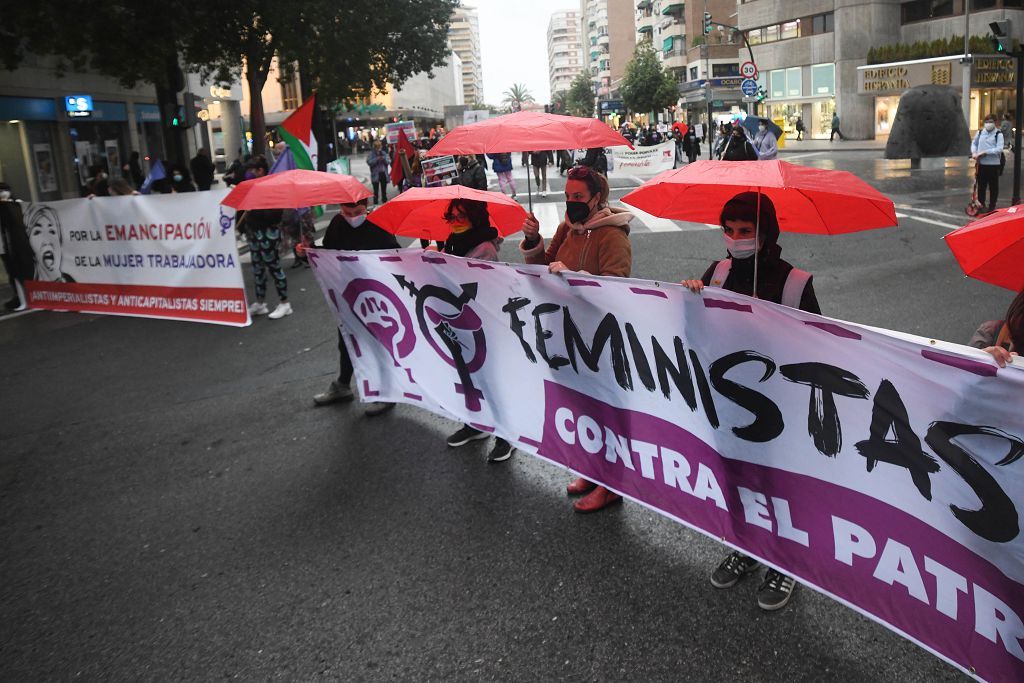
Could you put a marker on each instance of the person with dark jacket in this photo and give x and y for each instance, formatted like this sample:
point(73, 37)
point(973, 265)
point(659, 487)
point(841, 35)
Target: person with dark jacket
point(181, 179)
point(1003, 339)
point(15, 248)
point(202, 169)
point(596, 160)
point(473, 236)
point(502, 166)
point(352, 230)
point(471, 173)
point(691, 145)
point(133, 171)
point(750, 229)
point(738, 147)
point(539, 161)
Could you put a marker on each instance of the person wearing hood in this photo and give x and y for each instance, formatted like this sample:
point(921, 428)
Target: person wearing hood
point(594, 239)
point(472, 236)
point(353, 230)
point(181, 179)
point(471, 173)
point(765, 144)
point(737, 146)
point(751, 232)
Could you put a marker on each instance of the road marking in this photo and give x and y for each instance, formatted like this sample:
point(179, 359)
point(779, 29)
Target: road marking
point(938, 213)
point(652, 223)
point(18, 314)
point(931, 221)
point(802, 156)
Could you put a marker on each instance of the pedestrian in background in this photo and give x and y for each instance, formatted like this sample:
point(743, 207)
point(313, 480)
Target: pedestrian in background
point(987, 152)
point(181, 179)
point(799, 129)
point(1006, 128)
point(202, 169)
point(15, 249)
point(380, 167)
point(540, 161)
point(262, 228)
point(835, 128)
point(471, 173)
point(353, 230)
point(501, 163)
point(593, 238)
point(765, 145)
point(721, 138)
point(133, 171)
point(691, 145)
point(750, 229)
point(473, 236)
point(596, 160)
point(737, 146)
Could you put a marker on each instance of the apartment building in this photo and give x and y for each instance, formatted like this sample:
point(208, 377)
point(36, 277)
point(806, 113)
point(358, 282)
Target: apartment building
point(565, 50)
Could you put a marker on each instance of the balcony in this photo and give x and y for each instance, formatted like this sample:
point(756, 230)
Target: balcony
point(674, 59)
point(645, 28)
point(672, 8)
point(644, 4)
point(603, 39)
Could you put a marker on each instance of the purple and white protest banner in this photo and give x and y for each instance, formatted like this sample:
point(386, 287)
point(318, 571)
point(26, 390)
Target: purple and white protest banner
point(882, 469)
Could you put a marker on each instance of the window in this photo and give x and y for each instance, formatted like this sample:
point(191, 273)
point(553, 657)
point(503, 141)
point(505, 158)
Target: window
point(823, 79)
point(778, 81)
point(725, 70)
point(830, 22)
point(920, 10)
point(693, 73)
point(790, 29)
point(794, 82)
point(289, 94)
point(771, 33)
point(755, 36)
point(666, 46)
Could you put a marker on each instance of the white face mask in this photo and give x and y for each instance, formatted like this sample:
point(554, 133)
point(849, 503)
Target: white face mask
point(990, 126)
point(740, 248)
point(357, 221)
point(5, 195)
point(761, 128)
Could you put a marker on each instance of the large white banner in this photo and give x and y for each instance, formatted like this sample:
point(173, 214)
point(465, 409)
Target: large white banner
point(160, 256)
point(642, 160)
point(884, 470)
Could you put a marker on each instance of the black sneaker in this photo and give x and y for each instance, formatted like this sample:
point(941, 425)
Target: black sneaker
point(465, 435)
point(775, 591)
point(501, 452)
point(733, 568)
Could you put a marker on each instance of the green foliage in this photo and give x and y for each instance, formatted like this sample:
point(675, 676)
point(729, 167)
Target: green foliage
point(647, 87)
point(697, 41)
point(925, 49)
point(579, 100)
point(516, 97)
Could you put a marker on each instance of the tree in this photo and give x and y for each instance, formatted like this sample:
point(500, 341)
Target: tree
point(579, 100)
point(31, 28)
point(342, 57)
point(516, 97)
point(646, 87)
point(558, 102)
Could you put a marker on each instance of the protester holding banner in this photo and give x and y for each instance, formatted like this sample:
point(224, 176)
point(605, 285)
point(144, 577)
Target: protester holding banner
point(1002, 339)
point(594, 239)
point(15, 251)
point(777, 281)
point(352, 230)
point(472, 236)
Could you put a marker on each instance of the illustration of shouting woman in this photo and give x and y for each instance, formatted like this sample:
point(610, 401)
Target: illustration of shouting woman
point(46, 239)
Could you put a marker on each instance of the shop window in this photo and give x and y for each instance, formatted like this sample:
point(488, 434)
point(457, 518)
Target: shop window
point(790, 29)
point(983, 4)
point(725, 70)
point(778, 81)
point(794, 82)
point(823, 79)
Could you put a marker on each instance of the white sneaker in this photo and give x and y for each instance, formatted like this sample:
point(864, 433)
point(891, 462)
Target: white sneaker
point(281, 311)
point(258, 308)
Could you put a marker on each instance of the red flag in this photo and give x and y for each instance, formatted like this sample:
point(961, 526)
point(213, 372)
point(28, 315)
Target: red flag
point(403, 146)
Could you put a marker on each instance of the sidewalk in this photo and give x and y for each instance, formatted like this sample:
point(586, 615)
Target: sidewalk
point(807, 145)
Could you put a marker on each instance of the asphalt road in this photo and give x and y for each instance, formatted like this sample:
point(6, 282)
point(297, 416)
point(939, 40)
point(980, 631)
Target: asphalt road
point(173, 507)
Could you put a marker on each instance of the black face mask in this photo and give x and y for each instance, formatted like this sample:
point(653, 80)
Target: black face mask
point(577, 212)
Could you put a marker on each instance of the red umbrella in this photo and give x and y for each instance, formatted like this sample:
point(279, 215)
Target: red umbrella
point(419, 211)
point(808, 200)
point(991, 249)
point(295, 190)
point(527, 131)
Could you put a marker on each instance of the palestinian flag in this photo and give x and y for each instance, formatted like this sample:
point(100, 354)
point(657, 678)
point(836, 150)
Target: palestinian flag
point(297, 131)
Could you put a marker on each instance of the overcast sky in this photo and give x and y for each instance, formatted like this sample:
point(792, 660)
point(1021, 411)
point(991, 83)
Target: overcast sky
point(514, 44)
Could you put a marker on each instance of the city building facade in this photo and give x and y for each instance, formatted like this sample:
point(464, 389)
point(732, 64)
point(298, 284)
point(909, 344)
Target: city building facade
point(464, 38)
point(812, 57)
point(609, 38)
point(565, 50)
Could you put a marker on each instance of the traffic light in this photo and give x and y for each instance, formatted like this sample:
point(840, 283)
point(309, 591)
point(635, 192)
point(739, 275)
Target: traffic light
point(707, 23)
point(1001, 41)
point(190, 110)
point(761, 94)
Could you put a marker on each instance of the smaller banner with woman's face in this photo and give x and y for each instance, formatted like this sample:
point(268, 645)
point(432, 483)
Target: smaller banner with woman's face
point(164, 256)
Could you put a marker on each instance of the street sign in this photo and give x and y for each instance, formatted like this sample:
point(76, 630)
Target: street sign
point(749, 87)
point(748, 70)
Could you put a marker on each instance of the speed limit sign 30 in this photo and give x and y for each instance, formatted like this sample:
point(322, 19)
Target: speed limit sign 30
point(748, 70)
